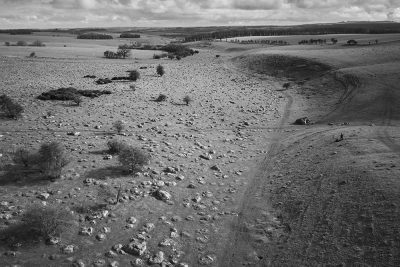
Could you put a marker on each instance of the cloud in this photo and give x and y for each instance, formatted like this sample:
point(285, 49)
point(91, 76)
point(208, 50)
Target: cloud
point(102, 13)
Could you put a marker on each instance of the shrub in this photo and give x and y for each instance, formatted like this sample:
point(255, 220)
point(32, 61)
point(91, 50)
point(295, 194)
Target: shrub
point(37, 43)
point(156, 56)
point(7, 43)
point(53, 158)
point(286, 85)
point(161, 98)
point(47, 221)
point(22, 43)
point(10, 108)
point(119, 126)
point(160, 70)
point(178, 50)
point(69, 93)
point(33, 54)
point(23, 157)
point(77, 99)
point(134, 75)
point(133, 159)
point(187, 100)
point(123, 52)
point(115, 146)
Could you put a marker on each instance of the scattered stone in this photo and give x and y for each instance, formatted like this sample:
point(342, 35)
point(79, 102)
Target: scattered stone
point(107, 157)
point(74, 133)
point(99, 263)
point(137, 262)
point(131, 220)
point(157, 259)
point(206, 157)
point(135, 247)
point(180, 177)
point(207, 260)
point(101, 237)
point(53, 240)
point(43, 196)
point(69, 249)
point(78, 263)
point(216, 168)
point(88, 231)
point(162, 195)
point(167, 242)
point(303, 121)
point(114, 264)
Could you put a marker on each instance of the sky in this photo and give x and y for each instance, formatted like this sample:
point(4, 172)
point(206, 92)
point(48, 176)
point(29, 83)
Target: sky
point(185, 13)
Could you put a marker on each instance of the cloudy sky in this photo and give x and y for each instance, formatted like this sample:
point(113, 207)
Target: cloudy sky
point(130, 13)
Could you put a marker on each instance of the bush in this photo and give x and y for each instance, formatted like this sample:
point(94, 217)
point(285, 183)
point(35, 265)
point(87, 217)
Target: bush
point(115, 146)
point(33, 54)
point(7, 43)
point(37, 43)
point(69, 93)
point(160, 70)
point(23, 157)
point(187, 100)
point(178, 50)
point(47, 221)
point(161, 98)
point(22, 43)
point(134, 75)
point(10, 108)
point(77, 99)
point(156, 56)
point(286, 85)
point(119, 126)
point(123, 52)
point(133, 159)
point(53, 158)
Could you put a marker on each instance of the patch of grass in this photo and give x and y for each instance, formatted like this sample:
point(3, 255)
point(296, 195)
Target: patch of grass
point(10, 108)
point(161, 98)
point(119, 126)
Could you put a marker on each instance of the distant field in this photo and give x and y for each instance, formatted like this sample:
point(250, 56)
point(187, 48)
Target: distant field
point(342, 38)
point(66, 45)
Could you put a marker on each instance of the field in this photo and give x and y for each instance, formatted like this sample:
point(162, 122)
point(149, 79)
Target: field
point(242, 185)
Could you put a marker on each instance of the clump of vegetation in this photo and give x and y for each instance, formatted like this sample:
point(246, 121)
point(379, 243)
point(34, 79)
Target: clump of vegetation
point(119, 126)
point(37, 43)
point(134, 75)
point(7, 43)
point(178, 50)
point(70, 93)
point(352, 42)
point(53, 158)
point(161, 98)
point(121, 53)
point(77, 99)
point(133, 159)
point(187, 99)
point(160, 70)
point(24, 157)
point(33, 54)
point(21, 43)
point(47, 221)
point(129, 35)
point(115, 146)
point(94, 35)
point(10, 108)
point(286, 86)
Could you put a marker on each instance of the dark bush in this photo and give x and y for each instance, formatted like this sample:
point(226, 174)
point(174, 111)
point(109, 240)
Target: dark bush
point(77, 99)
point(119, 126)
point(129, 35)
point(178, 50)
point(10, 108)
point(115, 146)
point(161, 98)
point(160, 70)
point(187, 100)
point(37, 43)
point(53, 158)
point(24, 157)
point(47, 221)
point(33, 54)
point(21, 43)
point(133, 159)
point(69, 93)
point(134, 75)
point(94, 35)
point(156, 56)
point(7, 43)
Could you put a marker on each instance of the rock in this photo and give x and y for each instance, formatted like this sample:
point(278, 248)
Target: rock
point(131, 220)
point(180, 177)
point(207, 260)
point(88, 231)
point(107, 157)
point(137, 263)
point(206, 157)
point(78, 263)
point(43, 196)
point(303, 121)
point(157, 259)
point(53, 240)
point(110, 254)
point(170, 170)
point(99, 263)
point(162, 195)
point(114, 264)
point(215, 168)
point(69, 249)
point(74, 133)
point(148, 227)
point(136, 247)
point(167, 242)
point(101, 237)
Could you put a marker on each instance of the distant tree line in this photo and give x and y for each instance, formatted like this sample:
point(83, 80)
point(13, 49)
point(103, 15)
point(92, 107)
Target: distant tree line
point(24, 43)
point(261, 41)
point(94, 35)
point(129, 35)
point(17, 31)
point(345, 28)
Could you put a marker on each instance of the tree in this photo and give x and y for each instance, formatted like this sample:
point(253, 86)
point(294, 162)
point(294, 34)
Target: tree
point(53, 158)
point(123, 52)
point(187, 100)
point(10, 108)
point(134, 75)
point(133, 159)
point(160, 70)
point(119, 126)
